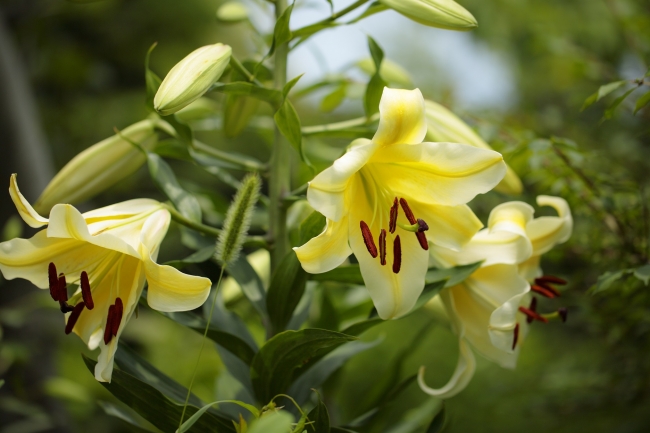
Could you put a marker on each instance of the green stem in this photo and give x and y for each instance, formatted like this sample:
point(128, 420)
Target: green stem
point(339, 126)
point(280, 174)
point(239, 67)
point(245, 163)
point(251, 241)
point(331, 18)
point(205, 336)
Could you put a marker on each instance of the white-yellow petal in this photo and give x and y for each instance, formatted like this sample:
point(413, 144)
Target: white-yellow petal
point(122, 210)
point(546, 232)
point(327, 250)
point(327, 192)
point(530, 269)
point(459, 380)
point(438, 173)
point(511, 217)
point(26, 211)
point(401, 118)
point(449, 226)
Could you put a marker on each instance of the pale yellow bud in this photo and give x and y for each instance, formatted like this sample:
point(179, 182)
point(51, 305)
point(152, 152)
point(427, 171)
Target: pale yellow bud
point(232, 12)
point(99, 167)
point(191, 78)
point(389, 71)
point(444, 14)
point(445, 126)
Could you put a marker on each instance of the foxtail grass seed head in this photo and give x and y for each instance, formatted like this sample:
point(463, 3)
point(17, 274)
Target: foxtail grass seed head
point(238, 220)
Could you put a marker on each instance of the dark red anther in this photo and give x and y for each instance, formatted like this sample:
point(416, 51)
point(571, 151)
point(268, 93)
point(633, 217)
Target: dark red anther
point(72, 319)
point(548, 287)
point(382, 247)
point(117, 318)
point(54, 281)
point(550, 279)
point(422, 239)
point(563, 312)
point(85, 291)
point(515, 337)
point(397, 255)
point(394, 209)
point(368, 240)
point(108, 328)
point(533, 314)
point(542, 291)
point(407, 211)
point(63, 289)
point(532, 307)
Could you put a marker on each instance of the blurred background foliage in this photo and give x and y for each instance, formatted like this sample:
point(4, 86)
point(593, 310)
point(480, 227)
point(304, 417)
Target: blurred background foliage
point(83, 62)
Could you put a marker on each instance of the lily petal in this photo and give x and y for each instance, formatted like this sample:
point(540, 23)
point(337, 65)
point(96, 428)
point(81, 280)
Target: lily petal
point(326, 251)
point(121, 210)
point(326, 192)
point(26, 211)
point(546, 232)
point(449, 226)
point(530, 268)
point(511, 217)
point(172, 290)
point(451, 174)
point(401, 118)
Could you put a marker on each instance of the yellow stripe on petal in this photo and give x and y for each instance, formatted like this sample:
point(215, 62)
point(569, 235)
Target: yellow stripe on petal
point(327, 250)
point(26, 211)
point(511, 217)
point(401, 117)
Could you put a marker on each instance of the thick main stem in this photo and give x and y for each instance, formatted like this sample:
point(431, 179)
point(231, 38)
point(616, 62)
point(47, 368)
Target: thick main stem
point(280, 173)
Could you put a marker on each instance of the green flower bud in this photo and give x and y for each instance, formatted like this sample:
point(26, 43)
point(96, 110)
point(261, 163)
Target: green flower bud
point(389, 71)
point(191, 78)
point(232, 12)
point(444, 14)
point(445, 126)
point(99, 167)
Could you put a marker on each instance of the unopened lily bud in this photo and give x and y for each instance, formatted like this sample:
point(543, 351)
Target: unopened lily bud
point(389, 71)
point(445, 126)
point(191, 78)
point(99, 167)
point(232, 12)
point(444, 14)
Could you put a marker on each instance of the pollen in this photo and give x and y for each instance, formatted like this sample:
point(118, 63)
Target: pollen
point(382, 247)
point(368, 240)
point(392, 225)
point(397, 255)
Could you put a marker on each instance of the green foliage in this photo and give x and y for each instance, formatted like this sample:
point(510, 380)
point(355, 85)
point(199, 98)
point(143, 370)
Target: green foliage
point(286, 288)
point(376, 84)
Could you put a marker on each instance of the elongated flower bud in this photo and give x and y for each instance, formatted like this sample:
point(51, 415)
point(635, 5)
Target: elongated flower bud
point(445, 126)
point(444, 14)
point(238, 219)
point(191, 78)
point(99, 167)
point(389, 71)
point(232, 12)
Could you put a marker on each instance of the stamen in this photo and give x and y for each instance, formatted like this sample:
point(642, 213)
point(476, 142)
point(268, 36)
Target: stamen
point(85, 291)
point(533, 314)
point(563, 312)
point(72, 319)
point(532, 307)
point(422, 225)
point(117, 318)
point(382, 247)
point(368, 240)
point(548, 287)
point(65, 307)
point(407, 211)
point(54, 281)
point(397, 255)
point(392, 225)
point(63, 289)
point(515, 336)
point(542, 291)
point(550, 279)
point(108, 328)
point(422, 238)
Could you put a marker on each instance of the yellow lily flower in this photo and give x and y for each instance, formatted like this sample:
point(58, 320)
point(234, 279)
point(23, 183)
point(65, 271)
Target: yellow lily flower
point(490, 311)
point(110, 253)
point(387, 197)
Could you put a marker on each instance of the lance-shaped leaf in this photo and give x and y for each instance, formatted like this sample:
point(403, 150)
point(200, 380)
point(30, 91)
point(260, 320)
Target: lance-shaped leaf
point(242, 88)
point(160, 409)
point(281, 32)
point(151, 79)
point(603, 91)
point(164, 177)
point(320, 417)
point(275, 365)
point(376, 84)
point(250, 283)
point(642, 102)
point(285, 291)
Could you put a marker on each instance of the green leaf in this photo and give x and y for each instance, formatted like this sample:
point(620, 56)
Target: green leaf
point(194, 418)
point(275, 422)
point(286, 288)
point(341, 430)
point(430, 290)
point(376, 53)
point(642, 102)
point(606, 280)
point(289, 125)
point(307, 31)
point(276, 362)
point(151, 79)
point(199, 256)
point(250, 283)
point(614, 105)
point(643, 273)
point(230, 342)
point(164, 177)
point(375, 7)
point(320, 418)
point(376, 84)
point(244, 88)
point(603, 91)
point(183, 132)
point(438, 422)
point(343, 274)
point(453, 276)
point(281, 32)
point(311, 227)
point(361, 327)
point(335, 98)
point(161, 410)
point(125, 415)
